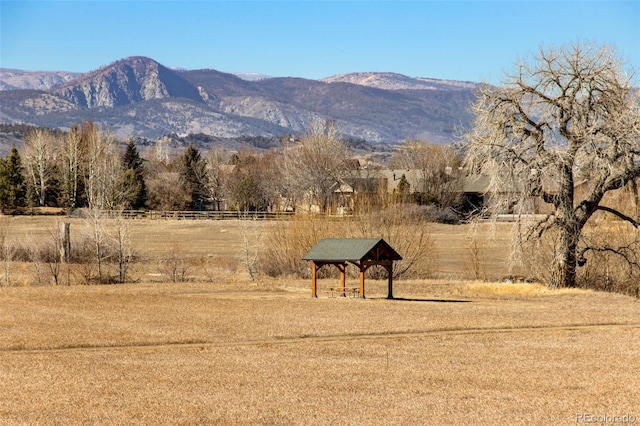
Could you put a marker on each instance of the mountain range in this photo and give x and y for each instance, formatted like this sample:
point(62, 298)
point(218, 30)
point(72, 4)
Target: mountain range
point(139, 97)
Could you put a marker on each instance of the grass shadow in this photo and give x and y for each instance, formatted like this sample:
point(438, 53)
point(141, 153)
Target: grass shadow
point(414, 299)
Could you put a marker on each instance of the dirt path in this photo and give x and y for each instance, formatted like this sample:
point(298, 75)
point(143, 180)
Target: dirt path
point(332, 338)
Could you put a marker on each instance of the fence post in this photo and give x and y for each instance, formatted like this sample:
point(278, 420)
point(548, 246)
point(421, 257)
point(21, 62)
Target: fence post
point(65, 250)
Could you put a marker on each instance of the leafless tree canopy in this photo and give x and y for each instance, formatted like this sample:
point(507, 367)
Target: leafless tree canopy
point(437, 166)
point(40, 153)
point(568, 116)
point(317, 164)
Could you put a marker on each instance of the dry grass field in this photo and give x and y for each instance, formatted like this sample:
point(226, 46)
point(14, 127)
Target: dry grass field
point(456, 251)
point(232, 351)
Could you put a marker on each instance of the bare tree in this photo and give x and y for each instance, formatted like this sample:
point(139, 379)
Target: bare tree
point(39, 156)
point(59, 236)
point(254, 183)
point(176, 264)
point(72, 155)
point(318, 163)
point(121, 241)
point(568, 116)
point(97, 237)
point(217, 158)
point(437, 166)
point(251, 235)
point(165, 191)
point(101, 167)
point(287, 185)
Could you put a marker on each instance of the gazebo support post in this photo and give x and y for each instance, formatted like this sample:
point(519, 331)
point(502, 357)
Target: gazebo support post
point(362, 282)
point(390, 289)
point(342, 267)
point(314, 283)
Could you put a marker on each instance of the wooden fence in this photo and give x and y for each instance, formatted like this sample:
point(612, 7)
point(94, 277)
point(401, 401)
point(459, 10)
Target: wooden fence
point(191, 215)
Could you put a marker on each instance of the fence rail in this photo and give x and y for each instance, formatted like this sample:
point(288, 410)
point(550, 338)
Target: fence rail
point(191, 215)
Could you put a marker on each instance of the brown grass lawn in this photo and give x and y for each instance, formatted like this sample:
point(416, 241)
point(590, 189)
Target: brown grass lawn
point(230, 351)
point(209, 243)
point(266, 353)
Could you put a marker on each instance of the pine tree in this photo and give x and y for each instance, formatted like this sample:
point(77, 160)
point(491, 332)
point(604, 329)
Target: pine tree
point(13, 190)
point(194, 178)
point(132, 185)
point(402, 192)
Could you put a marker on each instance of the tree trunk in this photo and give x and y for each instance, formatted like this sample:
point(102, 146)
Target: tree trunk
point(65, 240)
point(564, 264)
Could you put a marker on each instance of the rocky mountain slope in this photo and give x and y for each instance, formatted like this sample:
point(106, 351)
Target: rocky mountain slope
point(137, 96)
point(393, 81)
point(37, 80)
point(127, 81)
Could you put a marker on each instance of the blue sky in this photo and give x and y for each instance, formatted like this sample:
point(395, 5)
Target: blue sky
point(461, 40)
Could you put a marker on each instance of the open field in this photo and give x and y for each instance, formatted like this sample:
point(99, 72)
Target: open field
point(266, 353)
point(221, 349)
point(209, 244)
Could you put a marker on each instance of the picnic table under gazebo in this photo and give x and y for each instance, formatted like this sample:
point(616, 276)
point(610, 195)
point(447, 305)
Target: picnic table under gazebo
point(360, 252)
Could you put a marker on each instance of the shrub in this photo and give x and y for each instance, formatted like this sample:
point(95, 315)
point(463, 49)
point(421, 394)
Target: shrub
point(402, 226)
point(611, 264)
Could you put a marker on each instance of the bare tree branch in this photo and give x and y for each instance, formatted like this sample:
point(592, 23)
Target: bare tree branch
point(568, 117)
point(619, 214)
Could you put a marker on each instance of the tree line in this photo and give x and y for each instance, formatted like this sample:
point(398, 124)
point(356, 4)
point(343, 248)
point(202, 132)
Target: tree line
point(88, 168)
point(80, 168)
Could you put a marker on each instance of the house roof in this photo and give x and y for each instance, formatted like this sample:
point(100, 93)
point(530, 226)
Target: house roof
point(393, 177)
point(481, 184)
point(351, 250)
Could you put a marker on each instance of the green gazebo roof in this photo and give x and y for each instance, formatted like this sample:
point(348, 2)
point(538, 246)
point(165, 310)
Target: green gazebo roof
point(351, 250)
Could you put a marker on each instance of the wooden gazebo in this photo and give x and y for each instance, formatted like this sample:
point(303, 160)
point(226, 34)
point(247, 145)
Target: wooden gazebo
point(361, 252)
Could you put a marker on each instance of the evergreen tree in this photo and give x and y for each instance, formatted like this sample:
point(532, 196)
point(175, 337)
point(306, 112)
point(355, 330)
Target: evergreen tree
point(132, 185)
point(13, 190)
point(404, 188)
point(54, 194)
point(194, 178)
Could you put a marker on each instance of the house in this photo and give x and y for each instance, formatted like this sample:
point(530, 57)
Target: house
point(394, 177)
point(477, 195)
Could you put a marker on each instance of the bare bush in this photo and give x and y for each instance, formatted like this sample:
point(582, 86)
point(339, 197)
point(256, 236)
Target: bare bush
point(175, 265)
point(7, 253)
point(404, 228)
point(34, 253)
point(49, 254)
point(400, 226)
point(251, 236)
point(104, 250)
point(290, 240)
point(217, 268)
point(120, 235)
point(477, 256)
point(612, 260)
point(535, 256)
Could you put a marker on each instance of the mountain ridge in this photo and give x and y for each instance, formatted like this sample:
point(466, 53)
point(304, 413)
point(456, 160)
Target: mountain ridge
point(14, 79)
point(395, 81)
point(137, 96)
point(126, 81)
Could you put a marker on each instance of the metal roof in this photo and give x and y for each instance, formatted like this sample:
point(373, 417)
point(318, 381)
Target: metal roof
point(351, 250)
